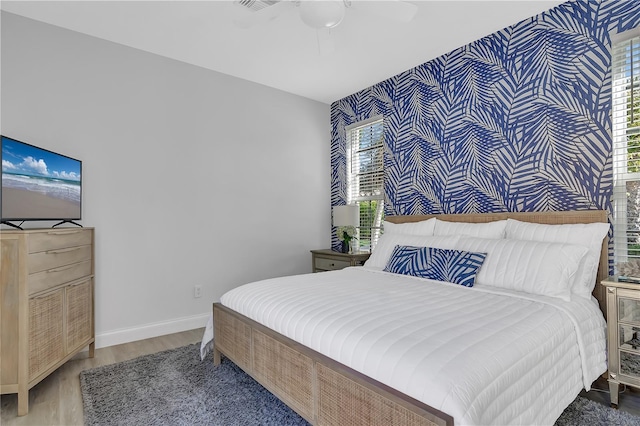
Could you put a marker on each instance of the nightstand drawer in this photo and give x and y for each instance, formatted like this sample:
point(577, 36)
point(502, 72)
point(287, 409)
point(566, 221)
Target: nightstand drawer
point(329, 260)
point(330, 264)
point(628, 308)
point(628, 337)
point(630, 364)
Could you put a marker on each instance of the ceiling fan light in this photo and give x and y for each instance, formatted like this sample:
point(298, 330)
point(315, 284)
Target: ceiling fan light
point(322, 13)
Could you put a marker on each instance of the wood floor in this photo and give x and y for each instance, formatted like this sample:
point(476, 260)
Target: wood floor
point(628, 399)
point(57, 399)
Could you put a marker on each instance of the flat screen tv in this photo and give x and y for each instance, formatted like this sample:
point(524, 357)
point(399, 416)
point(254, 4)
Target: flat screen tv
point(38, 184)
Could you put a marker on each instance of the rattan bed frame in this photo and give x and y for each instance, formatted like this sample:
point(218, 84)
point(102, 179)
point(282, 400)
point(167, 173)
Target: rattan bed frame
point(326, 392)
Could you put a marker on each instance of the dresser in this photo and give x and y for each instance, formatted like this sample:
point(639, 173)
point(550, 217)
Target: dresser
point(623, 334)
point(46, 304)
point(329, 260)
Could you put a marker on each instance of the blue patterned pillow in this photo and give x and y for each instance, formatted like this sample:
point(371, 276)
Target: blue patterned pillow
point(454, 266)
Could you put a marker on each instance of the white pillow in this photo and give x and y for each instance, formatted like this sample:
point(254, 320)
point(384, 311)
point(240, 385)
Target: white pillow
point(482, 230)
point(387, 242)
point(589, 235)
point(535, 267)
point(424, 227)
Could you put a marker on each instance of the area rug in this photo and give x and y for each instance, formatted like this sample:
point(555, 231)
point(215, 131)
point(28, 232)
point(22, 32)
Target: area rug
point(175, 387)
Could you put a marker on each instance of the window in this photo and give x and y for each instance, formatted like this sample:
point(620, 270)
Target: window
point(365, 177)
point(625, 60)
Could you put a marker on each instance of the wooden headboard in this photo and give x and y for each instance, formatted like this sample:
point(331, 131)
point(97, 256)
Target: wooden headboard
point(551, 218)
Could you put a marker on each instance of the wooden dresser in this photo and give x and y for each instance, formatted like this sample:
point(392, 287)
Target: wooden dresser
point(46, 304)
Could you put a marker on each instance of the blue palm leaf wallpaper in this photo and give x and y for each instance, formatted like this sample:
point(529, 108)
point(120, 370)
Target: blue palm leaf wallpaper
point(516, 121)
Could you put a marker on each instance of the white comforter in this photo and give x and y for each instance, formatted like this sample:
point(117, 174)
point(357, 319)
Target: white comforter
point(482, 355)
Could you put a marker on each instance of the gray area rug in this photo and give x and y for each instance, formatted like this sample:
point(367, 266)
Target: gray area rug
point(175, 388)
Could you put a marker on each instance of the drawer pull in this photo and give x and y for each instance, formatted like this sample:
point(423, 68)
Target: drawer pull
point(60, 269)
point(44, 296)
point(65, 250)
point(63, 232)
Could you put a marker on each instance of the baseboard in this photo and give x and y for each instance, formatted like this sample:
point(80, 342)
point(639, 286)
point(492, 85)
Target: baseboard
point(147, 331)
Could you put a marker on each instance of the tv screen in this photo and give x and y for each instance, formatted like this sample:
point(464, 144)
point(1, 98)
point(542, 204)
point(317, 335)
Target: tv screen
point(38, 184)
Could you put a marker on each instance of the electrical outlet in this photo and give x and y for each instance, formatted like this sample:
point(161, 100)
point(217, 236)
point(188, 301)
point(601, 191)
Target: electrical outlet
point(197, 291)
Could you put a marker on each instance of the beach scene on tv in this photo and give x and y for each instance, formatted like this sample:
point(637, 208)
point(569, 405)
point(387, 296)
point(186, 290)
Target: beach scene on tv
point(38, 184)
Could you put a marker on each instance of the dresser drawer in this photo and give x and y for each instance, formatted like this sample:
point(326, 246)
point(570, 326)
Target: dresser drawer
point(58, 239)
point(53, 277)
point(330, 264)
point(50, 259)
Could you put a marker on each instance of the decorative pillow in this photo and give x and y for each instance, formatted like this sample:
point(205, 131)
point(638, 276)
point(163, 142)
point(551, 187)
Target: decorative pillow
point(589, 235)
point(482, 230)
point(534, 267)
point(454, 266)
point(387, 242)
point(424, 227)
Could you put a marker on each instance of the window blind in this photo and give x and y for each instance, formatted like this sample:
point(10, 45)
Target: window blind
point(625, 60)
point(365, 177)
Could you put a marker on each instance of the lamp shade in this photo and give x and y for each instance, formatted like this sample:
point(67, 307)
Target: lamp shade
point(348, 215)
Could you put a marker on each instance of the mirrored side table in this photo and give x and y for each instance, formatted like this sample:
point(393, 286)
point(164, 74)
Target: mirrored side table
point(623, 334)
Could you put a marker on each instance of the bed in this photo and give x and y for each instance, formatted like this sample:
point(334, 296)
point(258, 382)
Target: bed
point(365, 346)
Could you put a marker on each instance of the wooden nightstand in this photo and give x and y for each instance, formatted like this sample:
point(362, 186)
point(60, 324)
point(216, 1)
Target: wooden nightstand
point(329, 260)
point(623, 334)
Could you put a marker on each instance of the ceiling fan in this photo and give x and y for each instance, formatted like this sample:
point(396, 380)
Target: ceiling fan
point(321, 15)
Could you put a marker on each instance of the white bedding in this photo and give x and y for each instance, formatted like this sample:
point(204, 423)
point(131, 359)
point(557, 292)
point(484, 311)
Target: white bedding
point(483, 355)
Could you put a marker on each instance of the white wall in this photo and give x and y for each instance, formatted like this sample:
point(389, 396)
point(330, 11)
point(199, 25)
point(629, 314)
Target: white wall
point(190, 177)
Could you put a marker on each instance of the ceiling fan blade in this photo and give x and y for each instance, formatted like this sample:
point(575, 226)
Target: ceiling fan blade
point(397, 10)
point(247, 18)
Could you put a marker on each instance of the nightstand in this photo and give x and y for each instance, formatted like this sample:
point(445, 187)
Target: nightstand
point(623, 334)
point(329, 260)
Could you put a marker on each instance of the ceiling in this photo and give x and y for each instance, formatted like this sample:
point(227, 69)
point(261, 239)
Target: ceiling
point(284, 53)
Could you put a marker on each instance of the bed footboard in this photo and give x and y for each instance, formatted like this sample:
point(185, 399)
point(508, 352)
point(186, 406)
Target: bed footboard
point(318, 388)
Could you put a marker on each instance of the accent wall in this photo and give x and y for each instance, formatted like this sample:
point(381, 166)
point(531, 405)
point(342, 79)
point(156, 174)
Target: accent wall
point(516, 121)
